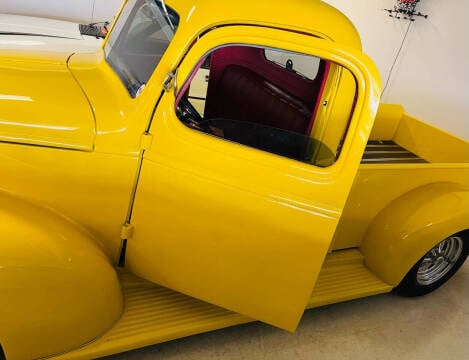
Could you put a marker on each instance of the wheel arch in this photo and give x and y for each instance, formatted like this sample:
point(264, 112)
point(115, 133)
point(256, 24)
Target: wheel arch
point(411, 225)
point(58, 290)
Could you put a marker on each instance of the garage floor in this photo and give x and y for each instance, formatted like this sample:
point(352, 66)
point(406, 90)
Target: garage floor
point(382, 327)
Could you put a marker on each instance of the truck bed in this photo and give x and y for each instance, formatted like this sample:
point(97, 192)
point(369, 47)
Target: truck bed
point(397, 137)
point(388, 152)
point(403, 154)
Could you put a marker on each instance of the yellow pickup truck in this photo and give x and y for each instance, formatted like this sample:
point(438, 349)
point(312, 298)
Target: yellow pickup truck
point(211, 163)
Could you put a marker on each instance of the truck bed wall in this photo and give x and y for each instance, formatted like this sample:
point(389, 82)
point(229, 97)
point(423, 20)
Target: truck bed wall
point(424, 140)
point(377, 185)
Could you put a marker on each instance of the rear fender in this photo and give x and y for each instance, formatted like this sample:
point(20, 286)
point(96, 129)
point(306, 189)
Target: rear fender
point(58, 290)
point(411, 225)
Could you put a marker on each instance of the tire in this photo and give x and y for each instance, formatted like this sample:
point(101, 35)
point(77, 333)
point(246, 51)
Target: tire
point(436, 267)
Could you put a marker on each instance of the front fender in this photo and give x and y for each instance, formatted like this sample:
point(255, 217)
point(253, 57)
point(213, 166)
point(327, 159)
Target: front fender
point(57, 288)
point(411, 225)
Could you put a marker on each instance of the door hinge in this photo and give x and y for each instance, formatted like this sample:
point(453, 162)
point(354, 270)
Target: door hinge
point(127, 231)
point(170, 81)
point(145, 142)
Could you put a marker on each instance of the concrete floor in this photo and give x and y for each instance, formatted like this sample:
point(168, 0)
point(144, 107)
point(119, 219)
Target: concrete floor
point(382, 327)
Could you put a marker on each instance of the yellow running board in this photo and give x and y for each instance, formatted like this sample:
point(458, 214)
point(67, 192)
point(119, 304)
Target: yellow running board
point(345, 277)
point(154, 314)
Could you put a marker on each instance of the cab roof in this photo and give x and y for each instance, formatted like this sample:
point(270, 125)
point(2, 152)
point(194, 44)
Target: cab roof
point(308, 16)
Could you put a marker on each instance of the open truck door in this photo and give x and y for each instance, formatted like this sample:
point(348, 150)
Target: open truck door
point(237, 201)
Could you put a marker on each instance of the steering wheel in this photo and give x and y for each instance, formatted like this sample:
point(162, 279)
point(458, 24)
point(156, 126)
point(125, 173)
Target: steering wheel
point(191, 117)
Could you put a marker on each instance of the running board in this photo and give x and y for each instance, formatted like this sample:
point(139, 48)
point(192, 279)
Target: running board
point(345, 277)
point(154, 314)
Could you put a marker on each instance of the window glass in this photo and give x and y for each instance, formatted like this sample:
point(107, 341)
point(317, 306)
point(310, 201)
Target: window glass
point(139, 40)
point(244, 97)
point(304, 65)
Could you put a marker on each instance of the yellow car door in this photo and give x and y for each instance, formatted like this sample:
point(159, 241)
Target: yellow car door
point(232, 210)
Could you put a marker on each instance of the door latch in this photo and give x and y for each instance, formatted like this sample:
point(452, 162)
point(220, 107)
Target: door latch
point(170, 81)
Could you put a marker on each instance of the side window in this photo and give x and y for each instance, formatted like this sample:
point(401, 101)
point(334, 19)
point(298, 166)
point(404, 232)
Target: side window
point(289, 104)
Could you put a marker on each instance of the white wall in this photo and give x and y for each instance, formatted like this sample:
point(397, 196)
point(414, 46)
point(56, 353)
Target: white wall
point(83, 11)
point(431, 76)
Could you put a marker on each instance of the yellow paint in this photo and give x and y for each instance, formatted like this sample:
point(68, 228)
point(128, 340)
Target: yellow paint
point(121, 119)
point(91, 188)
point(311, 17)
point(386, 122)
point(39, 90)
point(378, 185)
point(161, 314)
point(345, 277)
point(431, 143)
point(58, 289)
point(228, 224)
point(414, 223)
point(425, 140)
point(335, 107)
point(264, 237)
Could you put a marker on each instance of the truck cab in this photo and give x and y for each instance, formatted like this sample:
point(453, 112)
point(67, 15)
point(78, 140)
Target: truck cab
point(211, 164)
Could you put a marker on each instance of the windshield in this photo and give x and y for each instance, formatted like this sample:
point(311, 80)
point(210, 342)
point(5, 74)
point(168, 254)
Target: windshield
point(138, 41)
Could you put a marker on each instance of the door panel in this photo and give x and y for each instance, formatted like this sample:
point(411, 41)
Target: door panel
point(235, 226)
point(222, 236)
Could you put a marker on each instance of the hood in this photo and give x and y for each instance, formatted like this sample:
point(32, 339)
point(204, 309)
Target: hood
point(28, 25)
point(40, 101)
point(42, 104)
point(44, 39)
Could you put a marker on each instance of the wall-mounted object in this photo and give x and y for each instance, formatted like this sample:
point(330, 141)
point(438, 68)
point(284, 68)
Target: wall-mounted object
point(405, 9)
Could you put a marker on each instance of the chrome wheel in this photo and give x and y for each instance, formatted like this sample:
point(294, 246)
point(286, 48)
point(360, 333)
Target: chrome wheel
point(436, 267)
point(440, 260)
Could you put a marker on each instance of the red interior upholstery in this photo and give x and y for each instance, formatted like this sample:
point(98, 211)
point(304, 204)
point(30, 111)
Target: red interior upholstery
point(245, 86)
point(244, 95)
